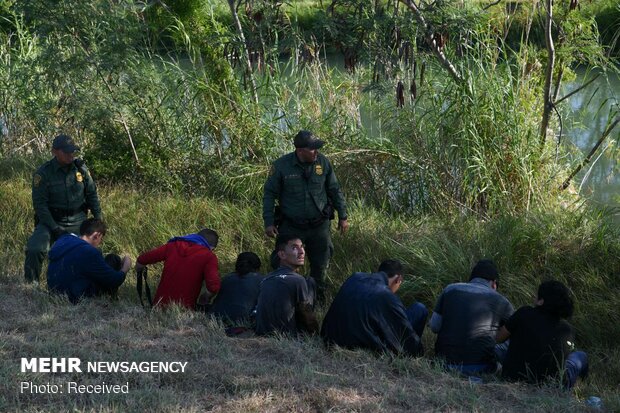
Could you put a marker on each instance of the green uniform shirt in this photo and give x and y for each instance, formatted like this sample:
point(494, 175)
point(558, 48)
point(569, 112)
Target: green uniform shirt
point(64, 188)
point(302, 189)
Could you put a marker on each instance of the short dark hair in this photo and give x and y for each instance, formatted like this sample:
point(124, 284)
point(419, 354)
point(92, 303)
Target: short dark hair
point(92, 225)
point(210, 235)
point(391, 267)
point(557, 299)
point(114, 261)
point(283, 240)
point(247, 262)
point(486, 269)
point(274, 260)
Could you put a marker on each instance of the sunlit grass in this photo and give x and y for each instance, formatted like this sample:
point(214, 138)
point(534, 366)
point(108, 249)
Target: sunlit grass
point(576, 246)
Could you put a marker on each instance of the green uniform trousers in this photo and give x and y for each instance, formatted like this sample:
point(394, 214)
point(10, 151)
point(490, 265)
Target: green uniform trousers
point(319, 249)
point(39, 243)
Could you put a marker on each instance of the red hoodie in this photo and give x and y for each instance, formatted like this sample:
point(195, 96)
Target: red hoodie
point(186, 264)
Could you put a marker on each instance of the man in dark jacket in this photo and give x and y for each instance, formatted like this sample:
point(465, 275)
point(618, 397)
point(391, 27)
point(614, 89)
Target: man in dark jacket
point(77, 268)
point(286, 299)
point(304, 184)
point(366, 313)
point(188, 260)
point(62, 194)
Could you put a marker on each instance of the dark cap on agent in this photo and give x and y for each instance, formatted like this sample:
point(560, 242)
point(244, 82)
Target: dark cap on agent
point(485, 269)
point(305, 139)
point(65, 144)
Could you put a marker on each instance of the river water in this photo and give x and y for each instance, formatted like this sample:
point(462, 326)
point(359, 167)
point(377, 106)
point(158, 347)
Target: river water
point(589, 112)
point(585, 118)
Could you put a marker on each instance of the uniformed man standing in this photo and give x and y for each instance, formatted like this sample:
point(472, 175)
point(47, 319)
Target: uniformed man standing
point(305, 185)
point(62, 194)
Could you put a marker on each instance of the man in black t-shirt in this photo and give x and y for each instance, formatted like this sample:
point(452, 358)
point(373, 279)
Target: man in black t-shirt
point(239, 291)
point(541, 341)
point(286, 299)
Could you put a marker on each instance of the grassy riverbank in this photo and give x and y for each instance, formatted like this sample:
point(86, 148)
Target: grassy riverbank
point(572, 243)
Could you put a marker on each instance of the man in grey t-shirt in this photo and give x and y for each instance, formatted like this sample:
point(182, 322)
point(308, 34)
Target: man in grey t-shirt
point(286, 299)
point(466, 319)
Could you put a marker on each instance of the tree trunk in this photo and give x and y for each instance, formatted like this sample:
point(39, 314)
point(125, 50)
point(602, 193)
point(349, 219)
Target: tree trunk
point(548, 103)
point(233, 10)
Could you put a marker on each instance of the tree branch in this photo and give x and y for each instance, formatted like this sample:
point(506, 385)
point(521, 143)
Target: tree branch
point(592, 152)
point(579, 89)
point(488, 6)
point(443, 60)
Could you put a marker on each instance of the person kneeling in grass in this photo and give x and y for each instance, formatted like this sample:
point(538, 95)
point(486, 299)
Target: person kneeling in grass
point(77, 268)
point(188, 260)
point(541, 340)
point(367, 313)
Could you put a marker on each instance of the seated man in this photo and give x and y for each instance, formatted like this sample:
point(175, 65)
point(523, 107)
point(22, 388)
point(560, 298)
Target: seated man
point(239, 292)
point(77, 268)
point(366, 313)
point(466, 319)
point(188, 261)
point(541, 341)
point(286, 299)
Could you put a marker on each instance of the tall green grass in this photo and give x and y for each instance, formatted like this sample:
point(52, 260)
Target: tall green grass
point(575, 245)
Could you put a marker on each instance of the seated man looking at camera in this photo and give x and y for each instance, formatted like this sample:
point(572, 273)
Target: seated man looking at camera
point(77, 267)
point(367, 313)
point(188, 260)
point(286, 299)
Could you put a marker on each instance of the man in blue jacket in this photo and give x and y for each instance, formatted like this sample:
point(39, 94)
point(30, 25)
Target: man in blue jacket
point(77, 268)
point(366, 313)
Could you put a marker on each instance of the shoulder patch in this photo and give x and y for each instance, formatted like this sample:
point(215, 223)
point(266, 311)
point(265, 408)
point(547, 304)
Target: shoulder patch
point(36, 180)
point(318, 169)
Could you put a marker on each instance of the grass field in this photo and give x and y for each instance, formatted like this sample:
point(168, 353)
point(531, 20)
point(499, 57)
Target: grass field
point(277, 374)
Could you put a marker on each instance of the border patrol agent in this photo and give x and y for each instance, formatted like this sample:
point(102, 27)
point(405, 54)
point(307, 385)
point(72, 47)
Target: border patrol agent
point(305, 185)
point(62, 193)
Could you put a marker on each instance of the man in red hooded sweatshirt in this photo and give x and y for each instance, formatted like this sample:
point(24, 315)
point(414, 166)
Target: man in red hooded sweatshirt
point(188, 260)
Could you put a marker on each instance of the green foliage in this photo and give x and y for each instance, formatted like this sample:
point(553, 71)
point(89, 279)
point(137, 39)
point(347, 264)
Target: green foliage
point(608, 21)
point(87, 69)
point(182, 122)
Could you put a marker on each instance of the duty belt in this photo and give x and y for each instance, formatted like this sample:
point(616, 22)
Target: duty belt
point(306, 223)
point(63, 213)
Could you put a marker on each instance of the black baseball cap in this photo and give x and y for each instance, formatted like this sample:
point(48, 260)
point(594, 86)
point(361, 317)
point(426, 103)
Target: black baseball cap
point(65, 144)
point(305, 139)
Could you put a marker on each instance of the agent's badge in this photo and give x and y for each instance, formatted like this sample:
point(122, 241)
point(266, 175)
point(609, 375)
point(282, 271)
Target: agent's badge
point(79, 177)
point(36, 180)
point(318, 170)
